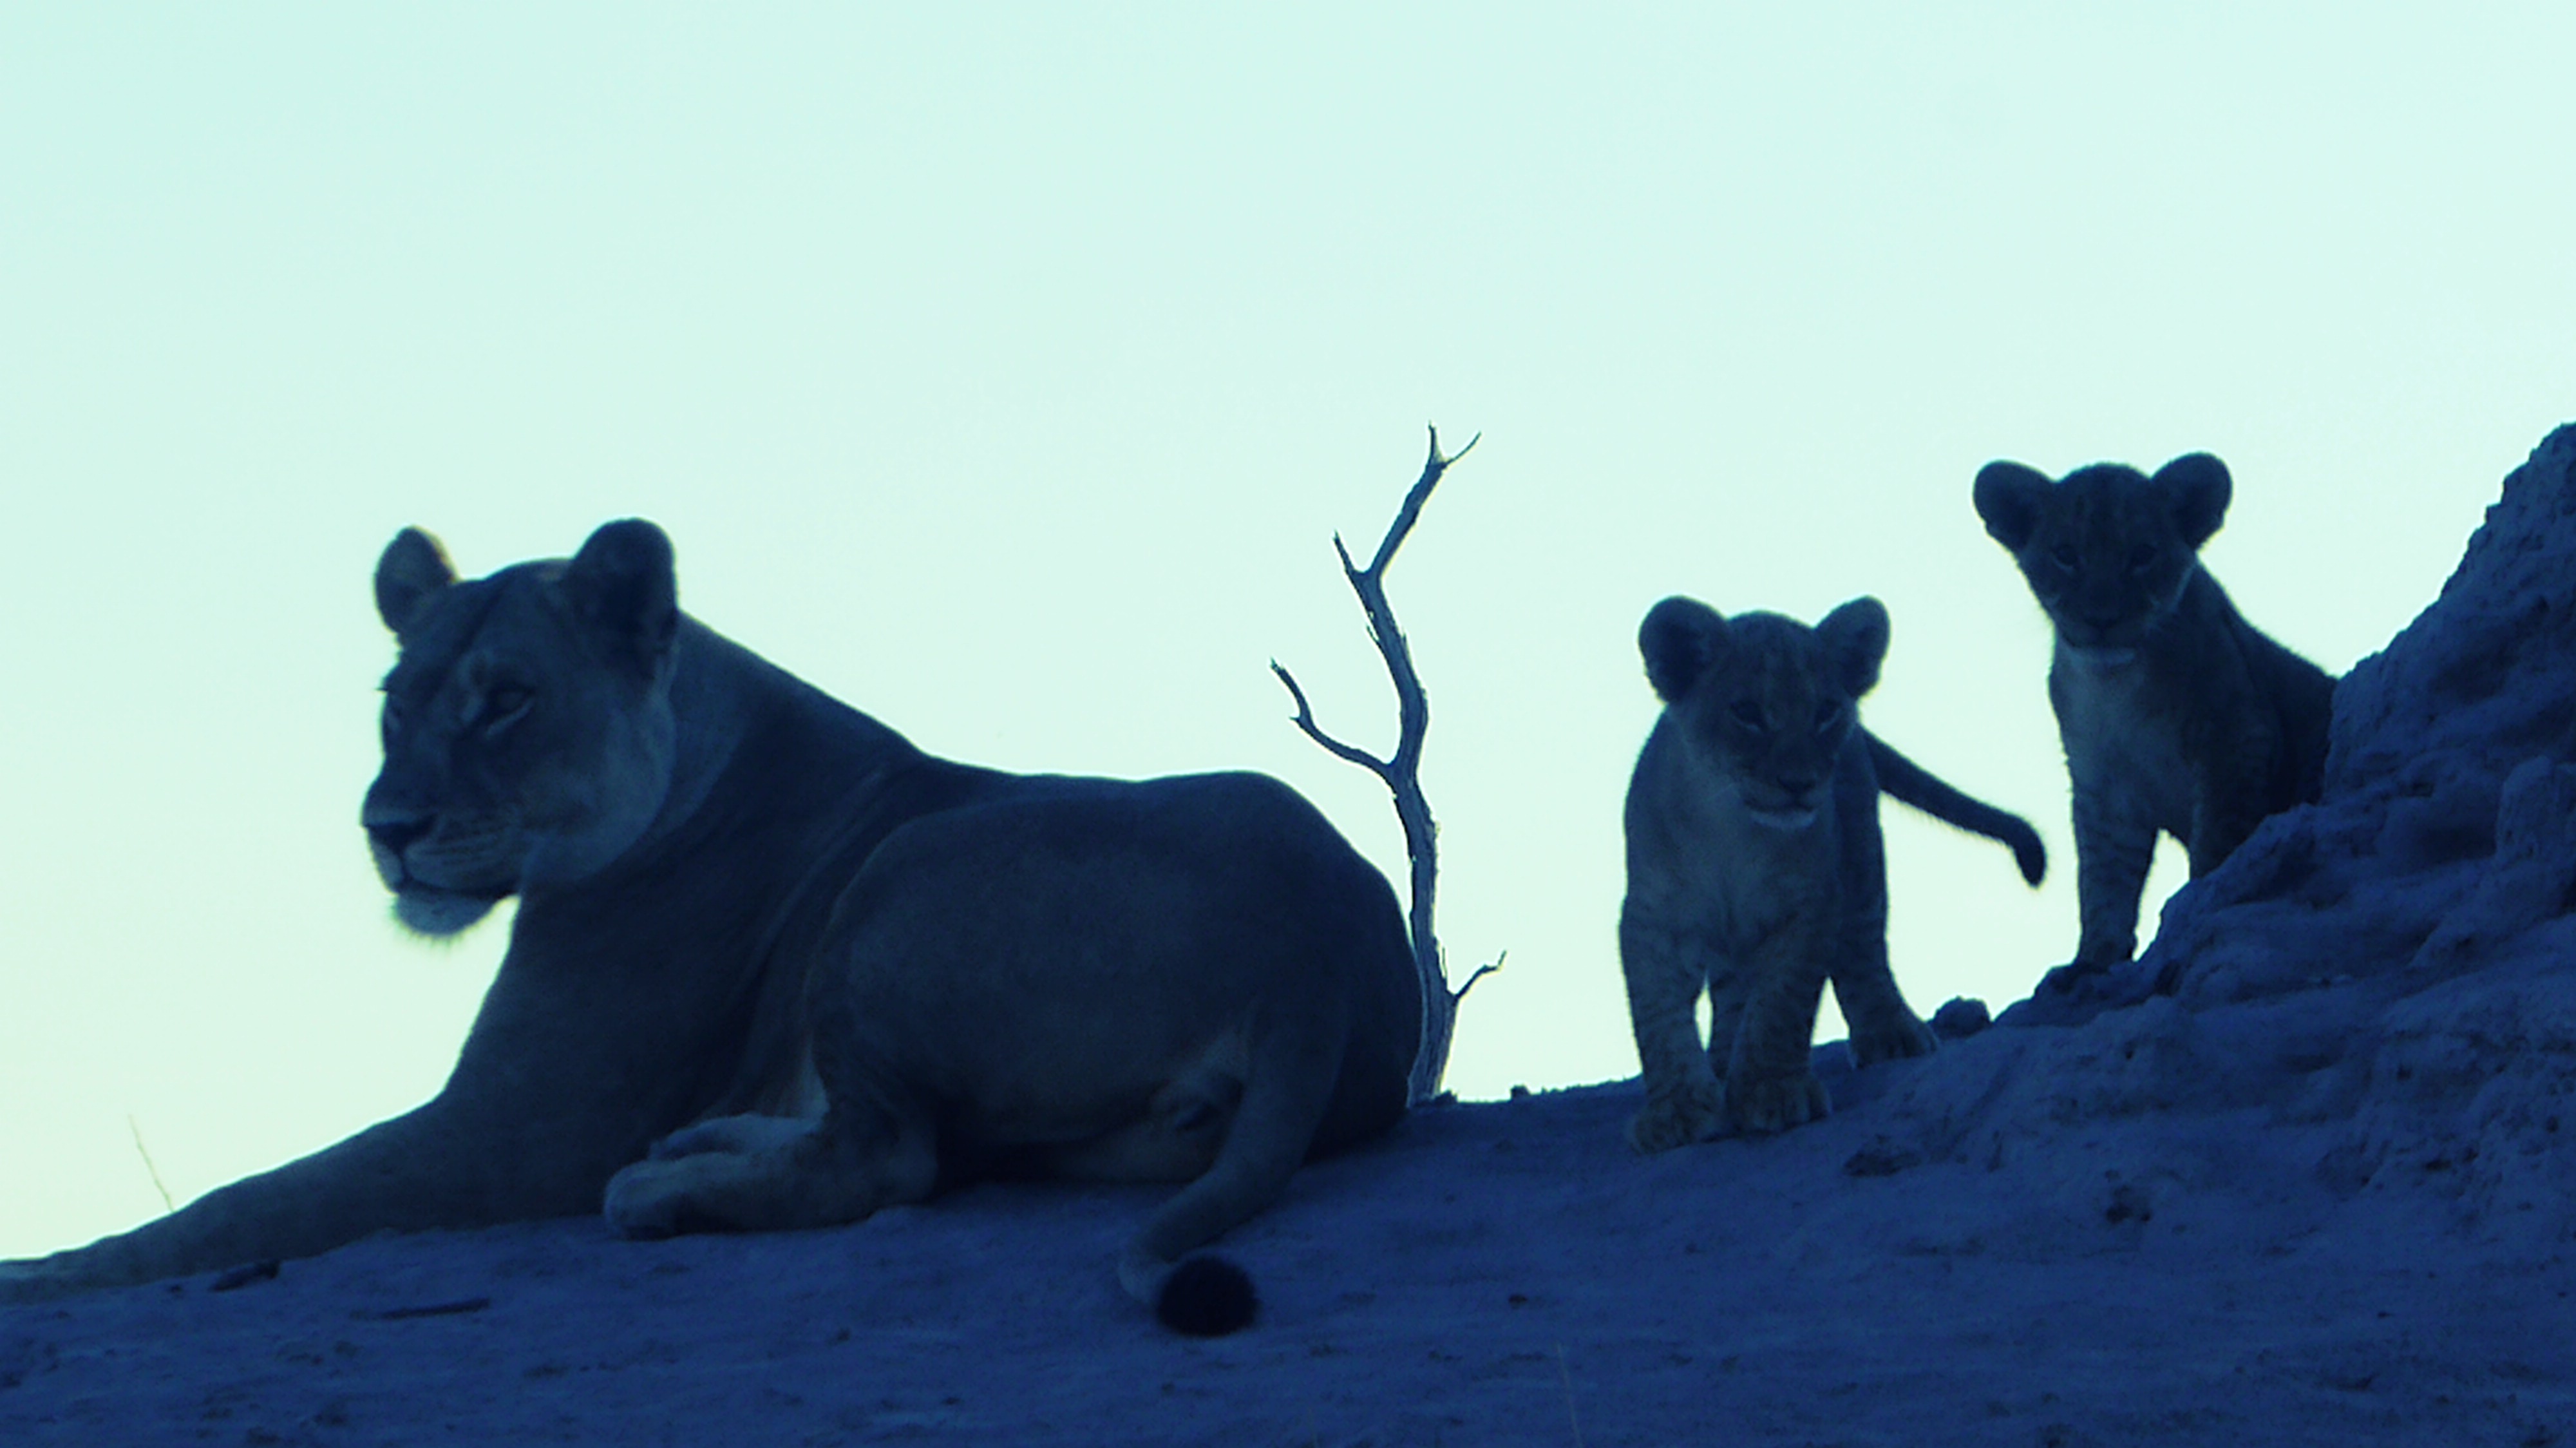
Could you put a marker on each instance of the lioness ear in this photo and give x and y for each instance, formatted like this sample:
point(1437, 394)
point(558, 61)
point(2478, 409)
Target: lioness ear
point(1855, 638)
point(412, 570)
point(2200, 488)
point(621, 583)
point(2008, 498)
point(1680, 638)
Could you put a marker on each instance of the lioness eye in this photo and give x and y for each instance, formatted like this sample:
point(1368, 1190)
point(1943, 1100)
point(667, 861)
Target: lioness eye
point(1827, 717)
point(1748, 714)
point(2063, 557)
point(503, 706)
point(393, 719)
point(2141, 558)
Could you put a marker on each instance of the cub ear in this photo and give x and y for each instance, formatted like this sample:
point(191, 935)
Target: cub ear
point(411, 571)
point(622, 584)
point(2009, 496)
point(1855, 639)
point(1680, 638)
point(2200, 489)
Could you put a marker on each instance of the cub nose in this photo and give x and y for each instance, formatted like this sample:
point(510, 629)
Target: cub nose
point(393, 836)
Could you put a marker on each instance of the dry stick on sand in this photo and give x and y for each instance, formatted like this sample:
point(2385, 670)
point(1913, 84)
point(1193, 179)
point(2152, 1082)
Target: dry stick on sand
point(1401, 773)
point(167, 1205)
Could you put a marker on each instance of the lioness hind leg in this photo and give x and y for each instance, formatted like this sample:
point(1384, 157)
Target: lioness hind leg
point(761, 1174)
point(744, 1135)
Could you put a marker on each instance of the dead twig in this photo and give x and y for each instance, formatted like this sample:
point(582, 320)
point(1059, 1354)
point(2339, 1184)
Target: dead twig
point(132, 1125)
point(1400, 771)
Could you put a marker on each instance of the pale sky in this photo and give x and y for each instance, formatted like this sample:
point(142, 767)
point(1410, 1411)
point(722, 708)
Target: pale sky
point(1005, 371)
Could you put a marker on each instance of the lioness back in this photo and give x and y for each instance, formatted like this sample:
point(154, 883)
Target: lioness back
point(1756, 870)
point(2177, 716)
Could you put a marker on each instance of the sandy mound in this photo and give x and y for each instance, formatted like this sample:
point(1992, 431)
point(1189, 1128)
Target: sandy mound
point(2322, 1191)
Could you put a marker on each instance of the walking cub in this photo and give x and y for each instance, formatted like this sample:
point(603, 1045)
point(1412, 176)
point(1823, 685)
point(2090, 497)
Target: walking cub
point(2177, 715)
point(1755, 866)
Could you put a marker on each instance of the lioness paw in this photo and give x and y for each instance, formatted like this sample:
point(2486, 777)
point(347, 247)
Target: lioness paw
point(1694, 1112)
point(649, 1200)
point(1776, 1103)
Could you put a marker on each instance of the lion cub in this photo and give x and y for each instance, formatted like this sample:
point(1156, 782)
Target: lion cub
point(1755, 867)
point(2177, 715)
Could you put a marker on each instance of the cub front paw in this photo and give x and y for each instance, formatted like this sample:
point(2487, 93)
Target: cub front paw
point(1900, 1041)
point(1694, 1111)
point(1776, 1103)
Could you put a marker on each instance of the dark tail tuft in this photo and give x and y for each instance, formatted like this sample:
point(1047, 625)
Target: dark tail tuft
point(2028, 853)
point(1207, 1297)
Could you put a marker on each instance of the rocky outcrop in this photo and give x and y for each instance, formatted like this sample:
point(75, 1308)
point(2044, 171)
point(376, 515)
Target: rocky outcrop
point(2444, 829)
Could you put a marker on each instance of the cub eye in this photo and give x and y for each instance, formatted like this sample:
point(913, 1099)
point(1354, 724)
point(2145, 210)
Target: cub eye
point(2064, 557)
point(1747, 713)
point(504, 707)
point(2142, 558)
point(392, 721)
point(1829, 717)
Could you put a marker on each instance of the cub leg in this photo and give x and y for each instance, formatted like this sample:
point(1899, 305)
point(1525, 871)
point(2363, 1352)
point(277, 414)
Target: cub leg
point(772, 1173)
point(1769, 1084)
point(2226, 808)
point(1883, 1026)
point(2113, 848)
point(1666, 971)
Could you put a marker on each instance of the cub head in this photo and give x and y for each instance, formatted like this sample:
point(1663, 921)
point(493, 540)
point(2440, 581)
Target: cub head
point(2109, 550)
point(1764, 703)
point(528, 731)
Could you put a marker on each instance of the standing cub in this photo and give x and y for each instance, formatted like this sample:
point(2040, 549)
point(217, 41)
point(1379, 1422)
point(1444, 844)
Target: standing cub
point(1755, 866)
point(2177, 715)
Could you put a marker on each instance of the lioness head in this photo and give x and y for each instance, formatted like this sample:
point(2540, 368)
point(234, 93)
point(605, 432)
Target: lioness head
point(528, 730)
point(1764, 703)
point(2108, 550)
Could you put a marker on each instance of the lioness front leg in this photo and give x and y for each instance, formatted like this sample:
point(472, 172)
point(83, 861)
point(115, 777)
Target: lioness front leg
point(1666, 974)
point(771, 1173)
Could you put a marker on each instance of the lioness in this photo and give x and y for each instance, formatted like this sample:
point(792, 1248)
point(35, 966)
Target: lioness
point(732, 886)
point(1756, 871)
point(2177, 715)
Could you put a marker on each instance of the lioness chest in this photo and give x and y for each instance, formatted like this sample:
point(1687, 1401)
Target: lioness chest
point(2123, 738)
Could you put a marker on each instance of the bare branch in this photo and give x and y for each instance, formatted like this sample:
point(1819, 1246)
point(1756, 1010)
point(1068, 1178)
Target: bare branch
point(1400, 770)
point(1481, 972)
point(1432, 468)
point(1306, 720)
point(149, 1169)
